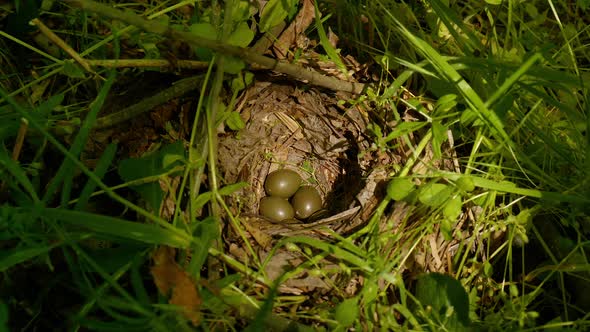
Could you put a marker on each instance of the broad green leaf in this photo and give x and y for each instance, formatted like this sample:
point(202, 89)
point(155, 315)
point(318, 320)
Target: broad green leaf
point(231, 188)
point(444, 104)
point(152, 165)
point(465, 183)
point(227, 280)
point(205, 197)
point(201, 200)
point(447, 298)
point(400, 188)
point(233, 65)
point(241, 36)
point(241, 81)
point(439, 136)
point(234, 121)
point(171, 159)
point(242, 11)
point(207, 31)
point(204, 30)
point(446, 228)
point(488, 269)
point(73, 70)
point(525, 217)
point(205, 233)
point(404, 128)
point(375, 130)
point(469, 117)
point(347, 312)
point(150, 50)
point(274, 12)
point(434, 194)
point(452, 208)
point(150, 192)
point(513, 290)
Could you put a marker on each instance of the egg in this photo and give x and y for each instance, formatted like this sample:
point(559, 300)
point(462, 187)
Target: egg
point(282, 183)
point(306, 202)
point(276, 208)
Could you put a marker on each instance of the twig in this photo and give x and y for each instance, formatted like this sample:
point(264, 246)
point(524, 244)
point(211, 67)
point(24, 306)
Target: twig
point(20, 138)
point(62, 44)
point(135, 63)
point(266, 41)
point(177, 89)
point(246, 54)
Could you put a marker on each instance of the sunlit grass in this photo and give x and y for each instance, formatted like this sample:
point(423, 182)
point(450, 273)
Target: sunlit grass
point(496, 155)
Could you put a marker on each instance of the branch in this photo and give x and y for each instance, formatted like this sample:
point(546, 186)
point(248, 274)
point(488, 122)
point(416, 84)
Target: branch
point(245, 54)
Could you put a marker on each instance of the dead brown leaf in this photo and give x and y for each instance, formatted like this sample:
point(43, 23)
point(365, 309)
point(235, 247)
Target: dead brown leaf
point(289, 37)
point(173, 281)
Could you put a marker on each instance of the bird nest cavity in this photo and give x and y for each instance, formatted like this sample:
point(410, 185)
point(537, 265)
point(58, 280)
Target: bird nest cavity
point(310, 132)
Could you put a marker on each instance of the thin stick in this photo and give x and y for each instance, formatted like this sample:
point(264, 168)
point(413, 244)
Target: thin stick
point(62, 44)
point(137, 63)
point(20, 139)
point(245, 54)
point(177, 89)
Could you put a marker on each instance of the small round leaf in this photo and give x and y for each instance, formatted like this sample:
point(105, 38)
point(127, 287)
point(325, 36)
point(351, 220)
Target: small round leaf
point(400, 188)
point(465, 183)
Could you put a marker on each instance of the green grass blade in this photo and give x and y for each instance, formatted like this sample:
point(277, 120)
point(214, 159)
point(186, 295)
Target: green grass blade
point(336, 251)
point(36, 125)
point(449, 74)
point(513, 79)
point(456, 27)
point(19, 174)
point(332, 54)
point(101, 168)
point(511, 187)
point(65, 172)
point(151, 234)
point(474, 102)
point(17, 256)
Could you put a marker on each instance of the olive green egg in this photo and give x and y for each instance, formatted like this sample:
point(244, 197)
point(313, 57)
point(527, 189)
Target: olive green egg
point(282, 183)
point(306, 202)
point(276, 208)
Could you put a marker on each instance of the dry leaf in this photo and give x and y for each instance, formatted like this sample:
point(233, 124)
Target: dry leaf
point(302, 21)
point(173, 281)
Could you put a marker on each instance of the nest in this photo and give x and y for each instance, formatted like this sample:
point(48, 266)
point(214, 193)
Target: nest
point(308, 132)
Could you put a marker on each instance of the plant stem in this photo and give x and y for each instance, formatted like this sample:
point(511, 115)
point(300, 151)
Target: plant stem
point(297, 72)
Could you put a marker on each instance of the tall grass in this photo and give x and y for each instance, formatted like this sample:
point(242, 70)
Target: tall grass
point(495, 89)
